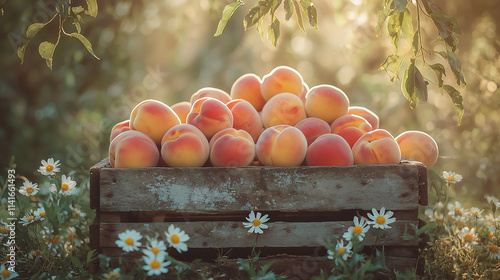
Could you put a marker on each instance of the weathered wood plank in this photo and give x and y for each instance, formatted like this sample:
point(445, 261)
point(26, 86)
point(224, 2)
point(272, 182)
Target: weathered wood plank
point(94, 182)
point(279, 234)
point(218, 189)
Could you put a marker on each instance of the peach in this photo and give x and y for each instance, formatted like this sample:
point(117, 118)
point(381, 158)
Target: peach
point(182, 109)
point(376, 147)
point(283, 108)
point(210, 115)
point(133, 149)
point(350, 127)
point(313, 128)
point(216, 93)
point(305, 90)
point(232, 147)
point(281, 145)
point(153, 118)
point(247, 87)
point(245, 117)
point(419, 146)
point(184, 145)
point(329, 150)
point(366, 113)
point(119, 128)
point(326, 102)
point(281, 79)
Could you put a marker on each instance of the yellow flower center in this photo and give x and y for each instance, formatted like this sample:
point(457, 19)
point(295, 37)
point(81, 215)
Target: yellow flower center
point(340, 251)
point(380, 220)
point(49, 168)
point(450, 178)
point(468, 238)
point(71, 236)
point(175, 239)
point(4, 230)
point(457, 211)
point(493, 248)
point(256, 222)
point(55, 239)
point(42, 214)
point(155, 264)
point(357, 230)
point(64, 187)
point(112, 274)
point(155, 250)
point(29, 190)
point(30, 218)
point(491, 234)
point(5, 273)
point(129, 241)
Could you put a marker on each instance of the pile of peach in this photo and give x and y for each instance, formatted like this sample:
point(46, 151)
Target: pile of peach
point(273, 121)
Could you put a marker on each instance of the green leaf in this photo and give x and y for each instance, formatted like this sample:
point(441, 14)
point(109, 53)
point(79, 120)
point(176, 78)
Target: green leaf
point(227, 13)
point(77, 10)
point(256, 13)
point(400, 4)
point(92, 8)
point(413, 85)
point(447, 22)
point(85, 42)
point(392, 64)
point(313, 16)
point(22, 49)
point(383, 15)
point(457, 101)
point(420, 86)
point(63, 8)
point(438, 68)
point(77, 26)
point(456, 66)
point(76, 262)
point(33, 29)
point(416, 42)
point(394, 27)
point(288, 9)
point(46, 50)
point(298, 12)
point(273, 32)
point(407, 26)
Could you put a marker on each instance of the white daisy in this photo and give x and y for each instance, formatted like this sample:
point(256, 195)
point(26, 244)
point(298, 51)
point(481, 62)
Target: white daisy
point(455, 210)
point(156, 247)
point(256, 223)
point(4, 230)
point(129, 240)
point(29, 189)
point(493, 251)
point(177, 238)
point(6, 274)
point(155, 264)
point(340, 251)
point(492, 232)
point(49, 167)
point(29, 218)
point(359, 229)
point(381, 220)
point(72, 237)
point(113, 274)
point(475, 212)
point(53, 188)
point(67, 185)
point(40, 214)
point(467, 236)
point(435, 216)
point(451, 177)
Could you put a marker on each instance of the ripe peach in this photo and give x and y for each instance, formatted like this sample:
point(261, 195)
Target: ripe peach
point(232, 147)
point(247, 87)
point(133, 149)
point(281, 79)
point(216, 93)
point(283, 108)
point(281, 145)
point(210, 115)
point(184, 145)
point(182, 109)
point(326, 102)
point(119, 128)
point(313, 128)
point(376, 147)
point(366, 113)
point(329, 150)
point(153, 118)
point(245, 117)
point(419, 146)
point(350, 127)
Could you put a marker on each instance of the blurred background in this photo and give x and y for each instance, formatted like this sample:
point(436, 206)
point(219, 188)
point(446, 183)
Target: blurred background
point(166, 50)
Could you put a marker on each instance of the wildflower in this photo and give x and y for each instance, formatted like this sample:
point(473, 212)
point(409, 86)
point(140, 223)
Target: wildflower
point(256, 223)
point(4, 230)
point(53, 188)
point(435, 216)
point(113, 274)
point(467, 236)
point(455, 209)
point(29, 218)
point(475, 212)
point(492, 232)
point(381, 220)
point(177, 238)
point(129, 240)
point(451, 177)
point(493, 251)
point(29, 189)
point(359, 229)
point(340, 251)
point(156, 247)
point(72, 237)
point(6, 274)
point(459, 222)
point(77, 213)
point(492, 199)
point(49, 167)
point(155, 264)
point(40, 214)
point(67, 185)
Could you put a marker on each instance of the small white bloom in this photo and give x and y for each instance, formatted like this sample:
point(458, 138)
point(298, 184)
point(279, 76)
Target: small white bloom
point(129, 240)
point(40, 214)
point(29, 189)
point(455, 210)
point(4, 230)
point(475, 212)
point(341, 250)
point(359, 229)
point(493, 251)
point(492, 232)
point(53, 188)
point(256, 223)
point(155, 264)
point(113, 274)
point(29, 218)
point(67, 185)
point(177, 238)
point(467, 236)
point(156, 247)
point(6, 274)
point(49, 167)
point(451, 177)
point(381, 220)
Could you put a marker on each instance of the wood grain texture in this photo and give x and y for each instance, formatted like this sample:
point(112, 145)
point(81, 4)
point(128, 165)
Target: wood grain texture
point(95, 173)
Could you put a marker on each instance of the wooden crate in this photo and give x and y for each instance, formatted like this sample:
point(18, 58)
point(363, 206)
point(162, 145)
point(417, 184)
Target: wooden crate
point(305, 206)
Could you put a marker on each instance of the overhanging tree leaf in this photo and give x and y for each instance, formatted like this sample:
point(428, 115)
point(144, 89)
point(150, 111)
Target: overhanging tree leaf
point(33, 29)
point(384, 14)
point(394, 28)
point(406, 25)
point(92, 8)
point(85, 42)
point(447, 22)
point(457, 101)
point(438, 68)
point(456, 66)
point(298, 12)
point(400, 4)
point(273, 32)
point(226, 15)
point(416, 42)
point(46, 50)
point(413, 85)
point(288, 9)
point(256, 13)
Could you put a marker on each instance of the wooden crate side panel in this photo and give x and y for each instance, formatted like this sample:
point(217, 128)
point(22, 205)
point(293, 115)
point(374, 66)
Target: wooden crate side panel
point(95, 172)
point(205, 190)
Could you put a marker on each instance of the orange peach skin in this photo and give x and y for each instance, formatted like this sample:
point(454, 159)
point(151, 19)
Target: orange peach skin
point(281, 145)
point(351, 128)
point(313, 128)
point(326, 102)
point(182, 110)
point(329, 150)
point(119, 128)
point(245, 117)
point(210, 116)
point(366, 113)
point(376, 147)
point(231, 147)
point(281, 79)
point(247, 87)
point(184, 145)
point(419, 146)
point(154, 118)
point(133, 149)
point(216, 93)
point(283, 108)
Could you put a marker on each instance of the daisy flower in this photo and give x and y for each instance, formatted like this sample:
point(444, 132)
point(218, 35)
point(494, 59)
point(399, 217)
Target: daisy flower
point(129, 240)
point(72, 237)
point(451, 177)
point(177, 238)
point(29, 218)
point(49, 167)
point(155, 247)
point(29, 189)
point(491, 232)
point(475, 212)
point(40, 214)
point(493, 251)
point(455, 209)
point(113, 274)
point(340, 251)
point(435, 216)
point(155, 264)
point(256, 223)
point(382, 219)
point(6, 274)
point(67, 185)
point(467, 236)
point(4, 230)
point(359, 229)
